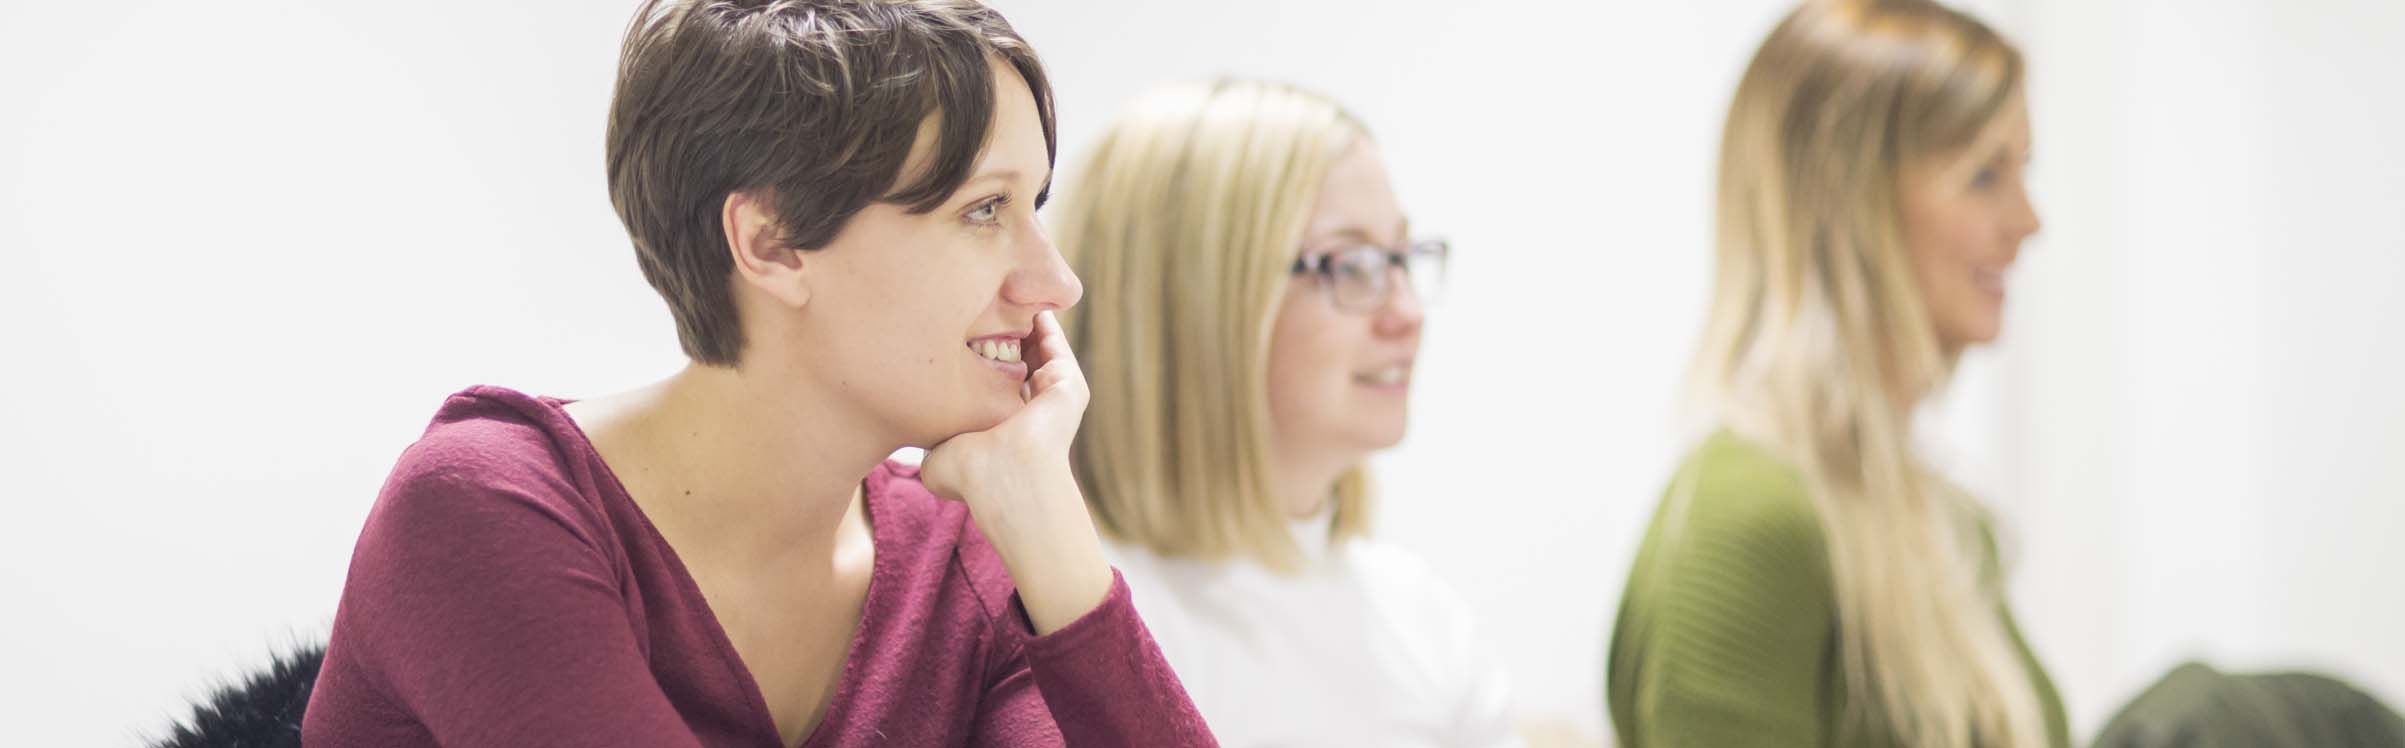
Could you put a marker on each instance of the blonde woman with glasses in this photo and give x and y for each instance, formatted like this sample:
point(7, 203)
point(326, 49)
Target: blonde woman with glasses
point(1809, 580)
point(1253, 307)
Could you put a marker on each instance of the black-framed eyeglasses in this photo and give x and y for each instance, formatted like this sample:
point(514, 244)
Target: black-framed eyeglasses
point(1356, 278)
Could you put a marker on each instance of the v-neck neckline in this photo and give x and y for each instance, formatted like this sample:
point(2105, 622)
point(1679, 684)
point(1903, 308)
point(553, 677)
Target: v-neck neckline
point(764, 721)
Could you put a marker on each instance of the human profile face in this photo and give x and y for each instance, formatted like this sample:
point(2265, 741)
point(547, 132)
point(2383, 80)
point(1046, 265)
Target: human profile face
point(1340, 378)
point(1964, 216)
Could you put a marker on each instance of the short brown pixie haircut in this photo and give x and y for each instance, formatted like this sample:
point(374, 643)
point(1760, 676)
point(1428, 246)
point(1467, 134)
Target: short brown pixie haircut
point(814, 103)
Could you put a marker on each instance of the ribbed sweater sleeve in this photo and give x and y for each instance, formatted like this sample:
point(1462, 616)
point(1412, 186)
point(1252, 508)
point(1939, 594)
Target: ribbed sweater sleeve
point(1728, 621)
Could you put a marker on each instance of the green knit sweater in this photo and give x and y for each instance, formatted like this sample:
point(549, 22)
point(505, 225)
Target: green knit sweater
point(1727, 635)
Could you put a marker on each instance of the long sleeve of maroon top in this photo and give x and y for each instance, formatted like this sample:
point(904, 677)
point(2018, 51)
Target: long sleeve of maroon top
point(506, 591)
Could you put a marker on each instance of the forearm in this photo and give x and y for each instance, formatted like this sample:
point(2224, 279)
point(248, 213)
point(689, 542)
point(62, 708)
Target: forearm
point(1047, 540)
point(1105, 683)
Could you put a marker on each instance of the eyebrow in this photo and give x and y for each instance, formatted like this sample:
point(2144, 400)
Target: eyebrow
point(1005, 172)
point(1007, 175)
point(1354, 232)
point(2003, 148)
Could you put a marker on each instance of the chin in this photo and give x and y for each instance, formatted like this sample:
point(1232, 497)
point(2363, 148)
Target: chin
point(1986, 330)
point(966, 418)
point(1380, 436)
point(1974, 336)
point(992, 411)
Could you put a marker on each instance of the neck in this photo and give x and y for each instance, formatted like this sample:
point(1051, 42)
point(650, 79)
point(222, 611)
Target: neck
point(1307, 486)
point(735, 457)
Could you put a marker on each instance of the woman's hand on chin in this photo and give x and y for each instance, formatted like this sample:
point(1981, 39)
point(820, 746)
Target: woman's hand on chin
point(1015, 478)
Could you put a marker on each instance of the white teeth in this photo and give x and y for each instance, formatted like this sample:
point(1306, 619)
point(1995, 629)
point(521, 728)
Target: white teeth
point(1388, 375)
point(999, 350)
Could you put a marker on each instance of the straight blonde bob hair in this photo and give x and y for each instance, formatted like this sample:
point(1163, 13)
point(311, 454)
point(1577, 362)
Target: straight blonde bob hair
point(1819, 346)
point(1183, 224)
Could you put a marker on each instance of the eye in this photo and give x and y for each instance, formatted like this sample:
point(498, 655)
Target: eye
point(988, 212)
point(1984, 179)
point(1360, 265)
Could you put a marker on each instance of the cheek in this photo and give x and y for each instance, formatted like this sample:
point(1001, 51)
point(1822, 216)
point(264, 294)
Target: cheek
point(1948, 256)
point(1945, 287)
point(1943, 246)
point(904, 329)
point(1963, 233)
point(1305, 354)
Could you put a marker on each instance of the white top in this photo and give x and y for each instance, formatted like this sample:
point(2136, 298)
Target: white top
point(1362, 647)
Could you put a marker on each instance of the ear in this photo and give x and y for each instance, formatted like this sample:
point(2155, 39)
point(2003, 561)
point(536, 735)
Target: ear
point(761, 259)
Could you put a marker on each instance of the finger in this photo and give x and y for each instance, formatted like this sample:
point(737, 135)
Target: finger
point(1050, 346)
point(1058, 389)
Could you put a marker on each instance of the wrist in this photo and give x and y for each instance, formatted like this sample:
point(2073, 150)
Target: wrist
point(1047, 541)
point(1060, 586)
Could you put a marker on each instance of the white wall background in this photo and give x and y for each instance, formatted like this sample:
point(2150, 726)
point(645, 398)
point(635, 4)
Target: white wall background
point(248, 248)
point(2206, 423)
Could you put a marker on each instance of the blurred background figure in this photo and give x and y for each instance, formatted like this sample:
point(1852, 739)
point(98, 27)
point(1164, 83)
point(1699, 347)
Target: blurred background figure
point(1809, 579)
point(1255, 294)
point(2197, 706)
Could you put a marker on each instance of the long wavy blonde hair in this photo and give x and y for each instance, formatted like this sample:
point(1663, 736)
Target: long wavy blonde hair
point(1183, 224)
point(1820, 347)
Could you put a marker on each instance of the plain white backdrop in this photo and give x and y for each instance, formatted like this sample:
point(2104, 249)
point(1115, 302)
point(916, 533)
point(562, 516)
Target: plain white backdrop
point(246, 249)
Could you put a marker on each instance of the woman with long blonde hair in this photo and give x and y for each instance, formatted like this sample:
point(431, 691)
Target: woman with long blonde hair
point(1252, 314)
point(1810, 580)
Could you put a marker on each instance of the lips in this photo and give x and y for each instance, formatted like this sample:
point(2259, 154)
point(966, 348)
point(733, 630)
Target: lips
point(1991, 281)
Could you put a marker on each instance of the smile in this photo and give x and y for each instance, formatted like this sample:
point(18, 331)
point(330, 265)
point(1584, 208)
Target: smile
point(1005, 350)
point(1385, 376)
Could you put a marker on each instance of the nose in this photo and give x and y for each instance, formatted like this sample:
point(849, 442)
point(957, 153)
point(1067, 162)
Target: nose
point(2023, 221)
point(1403, 310)
point(1042, 279)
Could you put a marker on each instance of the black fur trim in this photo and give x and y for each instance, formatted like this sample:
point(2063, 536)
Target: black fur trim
point(262, 711)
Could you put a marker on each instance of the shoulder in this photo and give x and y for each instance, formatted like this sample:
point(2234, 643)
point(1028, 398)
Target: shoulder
point(487, 431)
point(491, 456)
point(1441, 630)
point(488, 506)
point(1399, 575)
point(1411, 592)
point(1727, 615)
point(1730, 490)
point(1737, 536)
